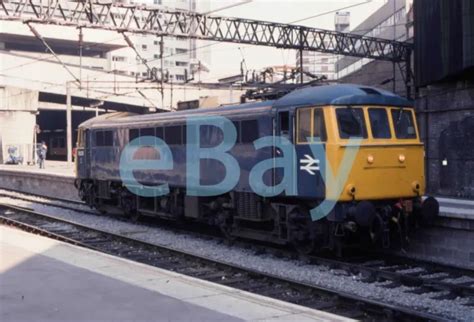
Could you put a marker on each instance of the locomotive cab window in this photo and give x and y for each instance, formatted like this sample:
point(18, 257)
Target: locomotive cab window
point(104, 138)
point(403, 123)
point(311, 127)
point(351, 122)
point(379, 123)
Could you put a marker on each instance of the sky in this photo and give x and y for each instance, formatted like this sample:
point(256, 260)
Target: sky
point(226, 57)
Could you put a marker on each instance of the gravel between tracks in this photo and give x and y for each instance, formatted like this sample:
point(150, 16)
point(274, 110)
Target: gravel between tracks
point(297, 270)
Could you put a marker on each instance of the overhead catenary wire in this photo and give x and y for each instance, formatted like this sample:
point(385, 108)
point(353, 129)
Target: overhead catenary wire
point(306, 18)
point(213, 44)
point(45, 43)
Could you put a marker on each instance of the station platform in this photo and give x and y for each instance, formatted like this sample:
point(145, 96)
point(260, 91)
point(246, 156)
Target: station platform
point(43, 279)
point(59, 177)
point(55, 181)
point(456, 208)
point(55, 168)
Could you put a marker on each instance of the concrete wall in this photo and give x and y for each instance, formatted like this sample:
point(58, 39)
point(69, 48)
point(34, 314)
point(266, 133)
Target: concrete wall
point(444, 245)
point(446, 119)
point(48, 185)
point(375, 74)
point(17, 120)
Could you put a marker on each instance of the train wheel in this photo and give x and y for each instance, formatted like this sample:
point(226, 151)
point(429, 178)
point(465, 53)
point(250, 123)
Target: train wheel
point(86, 193)
point(129, 205)
point(300, 231)
point(226, 225)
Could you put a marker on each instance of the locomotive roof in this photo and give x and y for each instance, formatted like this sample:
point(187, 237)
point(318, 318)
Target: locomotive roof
point(342, 94)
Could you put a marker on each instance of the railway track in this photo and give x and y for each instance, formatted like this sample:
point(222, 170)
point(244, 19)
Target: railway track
point(208, 269)
point(421, 276)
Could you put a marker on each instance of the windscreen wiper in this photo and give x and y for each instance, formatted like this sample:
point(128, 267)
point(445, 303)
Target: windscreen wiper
point(354, 115)
point(400, 112)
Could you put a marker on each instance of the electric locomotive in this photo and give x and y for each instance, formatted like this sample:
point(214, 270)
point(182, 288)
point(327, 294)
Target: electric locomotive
point(380, 195)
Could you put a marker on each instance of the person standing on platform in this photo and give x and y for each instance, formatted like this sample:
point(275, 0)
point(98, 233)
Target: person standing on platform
point(42, 150)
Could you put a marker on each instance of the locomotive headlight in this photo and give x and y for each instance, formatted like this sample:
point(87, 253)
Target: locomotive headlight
point(370, 159)
point(401, 158)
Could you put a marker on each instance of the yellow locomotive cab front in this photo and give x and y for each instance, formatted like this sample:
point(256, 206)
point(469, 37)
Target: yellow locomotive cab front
point(389, 161)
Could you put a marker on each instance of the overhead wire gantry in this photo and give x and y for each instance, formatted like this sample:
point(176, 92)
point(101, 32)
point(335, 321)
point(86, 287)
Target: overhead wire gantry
point(162, 22)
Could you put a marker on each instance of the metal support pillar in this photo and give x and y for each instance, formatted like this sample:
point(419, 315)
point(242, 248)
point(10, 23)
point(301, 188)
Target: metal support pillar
point(301, 66)
point(69, 122)
point(408, 77)
point(81, 43)
point(301, 55)
point(162, 65)
point(394, 82)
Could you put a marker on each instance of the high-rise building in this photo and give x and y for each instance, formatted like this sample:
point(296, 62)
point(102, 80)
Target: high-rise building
point(342, 21)
point(181, 56)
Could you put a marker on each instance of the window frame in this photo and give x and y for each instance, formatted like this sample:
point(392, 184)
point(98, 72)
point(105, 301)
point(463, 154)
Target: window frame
point(323, 137)
point(389, 123)
point(365, 134)
point(413, 119)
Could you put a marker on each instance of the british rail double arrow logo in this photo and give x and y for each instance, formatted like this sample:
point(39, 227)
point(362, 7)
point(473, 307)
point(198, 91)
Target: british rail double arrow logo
point(309, 164)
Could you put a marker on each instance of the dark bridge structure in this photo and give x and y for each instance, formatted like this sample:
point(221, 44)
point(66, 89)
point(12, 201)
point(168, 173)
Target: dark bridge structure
point(161, 22)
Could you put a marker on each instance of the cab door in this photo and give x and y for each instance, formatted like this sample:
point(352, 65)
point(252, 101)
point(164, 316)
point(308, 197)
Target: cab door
point(83, 156)
point(310, 131)
point(284, 127)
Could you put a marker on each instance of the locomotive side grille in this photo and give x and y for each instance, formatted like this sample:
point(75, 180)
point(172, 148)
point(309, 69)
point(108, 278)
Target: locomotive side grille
point(104, 189)
point(247, 206)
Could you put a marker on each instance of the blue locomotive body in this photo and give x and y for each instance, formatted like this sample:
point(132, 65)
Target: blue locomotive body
point(305, 118)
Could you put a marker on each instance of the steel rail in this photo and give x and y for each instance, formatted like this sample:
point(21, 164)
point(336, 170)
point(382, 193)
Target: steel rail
point(371, 268)
point(209, 269)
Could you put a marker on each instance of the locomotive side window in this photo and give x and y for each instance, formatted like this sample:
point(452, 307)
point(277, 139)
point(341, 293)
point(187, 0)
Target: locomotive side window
point(133, 134)
point(108, 138)
point(99, 138)
point(319, 128)
point(311, 125)
point(304, 125)
point(236, 126)
point(249, 131)
point(160, 133)
point(351, 122)
point(379, 123)
point(146, 132)
point(174, 135)
point(184, 134)
point(237, 130)
point(403, 124)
